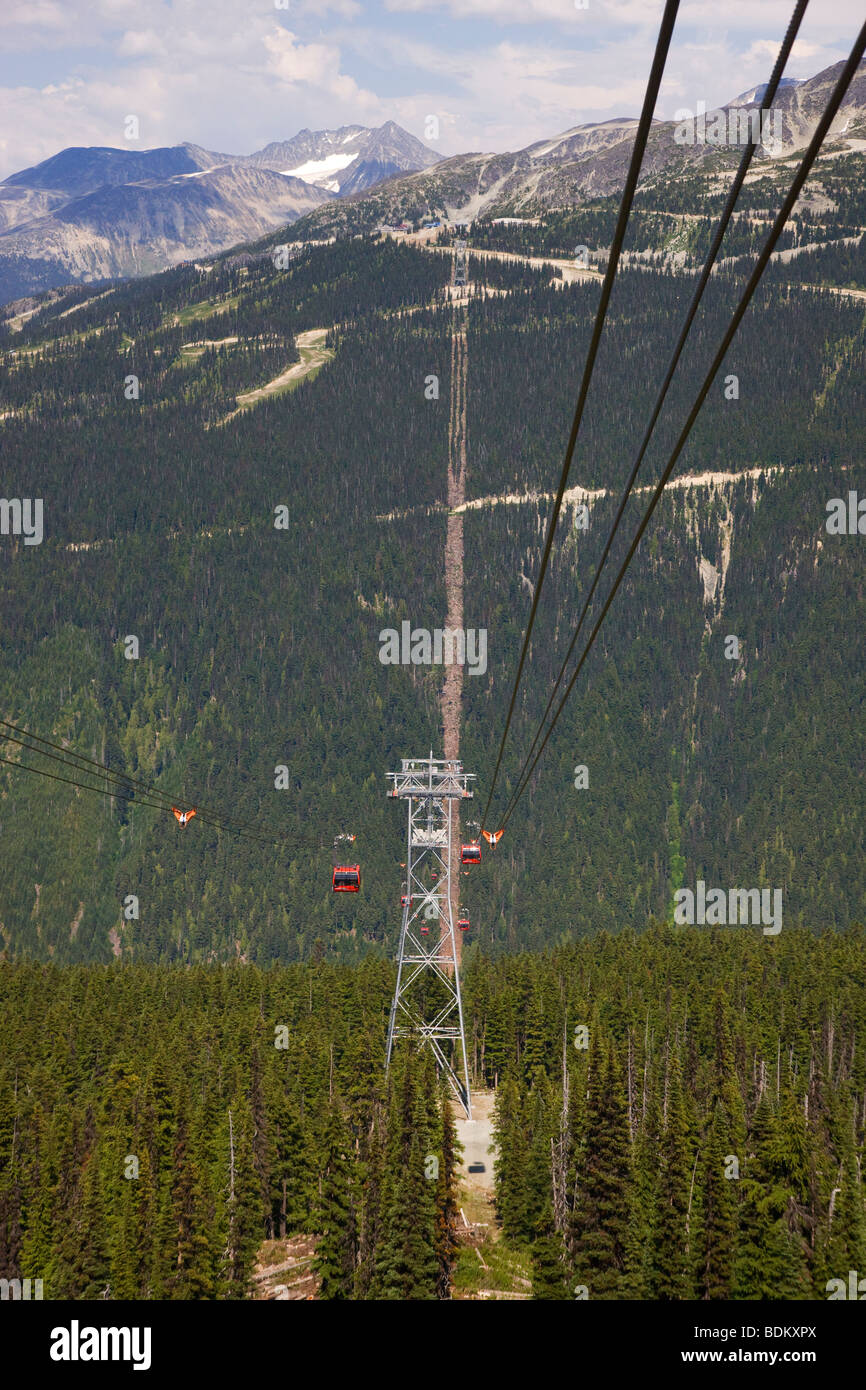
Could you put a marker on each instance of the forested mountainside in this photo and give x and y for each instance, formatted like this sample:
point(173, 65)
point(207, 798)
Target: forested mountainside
point(588, 162)
point(667, 229)
point(679, 1115)
point(129, 413)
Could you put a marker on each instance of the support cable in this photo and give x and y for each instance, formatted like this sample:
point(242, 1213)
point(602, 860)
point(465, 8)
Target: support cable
point(641, 135)
point(800, 177)
point(748, 153)
point(127, 788)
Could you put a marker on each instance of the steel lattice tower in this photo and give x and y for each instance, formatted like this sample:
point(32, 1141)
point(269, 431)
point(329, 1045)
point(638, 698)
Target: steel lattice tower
point(431, 786)
point(461, 263)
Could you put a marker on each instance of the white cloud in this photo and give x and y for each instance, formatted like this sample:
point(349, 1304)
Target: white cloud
point(221, 75)
point(601, 15)
point(314, 65)
point(765, 50)
point(37, 25)
point(346, 9)
point(234, 74)
point(138, 43)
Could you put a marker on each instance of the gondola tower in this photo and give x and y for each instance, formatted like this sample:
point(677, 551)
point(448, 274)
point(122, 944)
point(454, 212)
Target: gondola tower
point(431, 786)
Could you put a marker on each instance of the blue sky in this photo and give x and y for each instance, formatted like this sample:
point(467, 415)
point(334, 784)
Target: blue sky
point(234, 74)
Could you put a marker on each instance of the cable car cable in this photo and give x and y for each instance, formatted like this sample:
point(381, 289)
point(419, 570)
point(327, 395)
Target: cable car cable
point(766, 101)
point(68, 754)
point(96, 769)
point(799, 179)
point(778, 226)
point(641, 135)
point(116, 787)
point(103, 791)
point(100, 791)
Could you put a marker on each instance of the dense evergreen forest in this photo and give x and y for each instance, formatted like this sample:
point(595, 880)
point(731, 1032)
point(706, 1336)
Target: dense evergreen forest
point(194, 1024)
point(680, 1114)
point(259, 644)
point(151, 1162)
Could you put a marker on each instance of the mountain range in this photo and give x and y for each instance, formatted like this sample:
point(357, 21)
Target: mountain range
point(91, 214)
point(590, 161)
point(96, 213)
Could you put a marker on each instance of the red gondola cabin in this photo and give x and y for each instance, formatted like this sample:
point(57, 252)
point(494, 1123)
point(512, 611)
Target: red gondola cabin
point(470, 854)
point(463, 923)
point(347, 878)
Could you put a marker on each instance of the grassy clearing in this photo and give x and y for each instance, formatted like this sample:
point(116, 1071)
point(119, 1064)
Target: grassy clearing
point(66, 340)
point(191, 352)
point(486, 1264)
point(207, 309)
point(504, 1270)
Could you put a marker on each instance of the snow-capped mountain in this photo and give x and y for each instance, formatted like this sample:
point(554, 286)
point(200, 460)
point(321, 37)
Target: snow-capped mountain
point(757, 93)
point(346, 160)
point(95, 213)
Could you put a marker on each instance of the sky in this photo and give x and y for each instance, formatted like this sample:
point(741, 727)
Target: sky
point(232, 75)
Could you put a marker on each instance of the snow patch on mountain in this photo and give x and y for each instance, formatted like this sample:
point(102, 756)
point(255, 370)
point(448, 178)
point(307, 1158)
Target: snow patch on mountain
point(319, 170)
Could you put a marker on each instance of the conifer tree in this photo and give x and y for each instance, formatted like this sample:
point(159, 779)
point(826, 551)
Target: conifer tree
point(511, 1168)
point(262, 1142)
point(191, 1275)
point(336, 1218)
point(549, 1270)
point(292, 1171)
point(405, 1265)
point(843, 1247)
point(447, 1210)
point(600, 1218)
point(80, 1261)
point(645, 1184)
point(41, 1177)
point(716, 1233)
point(370, 1183)
point(241, 1218)
point(536, 1051)
point(496, 1038)
point(670, 1273)
point(10, 1228)
point(725, 1086)
point(771, 1258)
point(542, 1116)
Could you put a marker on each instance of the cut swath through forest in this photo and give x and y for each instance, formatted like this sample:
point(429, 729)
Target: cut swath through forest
point(314, 355)
point(452, 690)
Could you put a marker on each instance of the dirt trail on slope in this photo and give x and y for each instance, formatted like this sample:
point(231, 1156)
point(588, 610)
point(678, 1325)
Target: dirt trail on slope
point(573, 495)
point(476, 1136)
point(570, 271)
point(314, 354)
point(311, 345)
point(452, 690)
